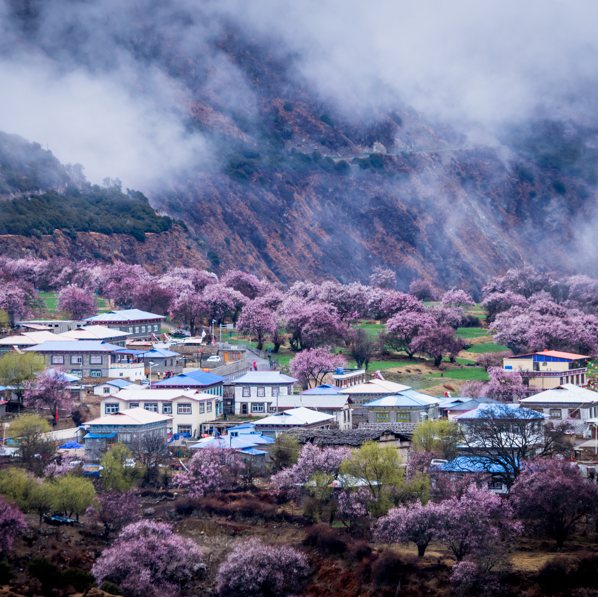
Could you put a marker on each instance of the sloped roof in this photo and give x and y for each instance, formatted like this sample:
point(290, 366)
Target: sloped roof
point(118, 383)
point(32, 339)
point(124, 315)
point(131, 416)
point(351, 437)
point(91, 332)
point(324, 390)
point(508, 410)
point(553, 353)
point(264, 377)
point(74, 346)
point(565, 394)
point(224, 442)
point(471, 464)
point(159, 352)
point(295, 416)
point(193, 379)
point(318, 401)
point(137, 394)
point(377, 386)
point(406, 399)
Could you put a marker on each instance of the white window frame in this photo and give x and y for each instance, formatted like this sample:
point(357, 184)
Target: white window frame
point(111, 408)
point(179, 427)
point(95, 373)
point(202, 408)
point(76, 360)
point(151, 407)
point(261, 392)
point(257, 407)
point(181, 409)
point(134, 405)
point(208, 407)
point(246, 392)
point(106, 390)
point(274, 391)
point(96, 359)
point(58, 360)
point(167, 408)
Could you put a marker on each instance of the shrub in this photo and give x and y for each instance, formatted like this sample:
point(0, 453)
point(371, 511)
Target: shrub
point(556, 574)
point(46, 572)
point(78, 578)
point(111, 588)
point(6, 573)
point(325, 538)
point(359, 550)
point(186, 507)
point(388, 569)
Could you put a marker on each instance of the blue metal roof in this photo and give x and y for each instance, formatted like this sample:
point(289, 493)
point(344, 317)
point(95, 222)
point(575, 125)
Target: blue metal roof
point(72, 445)
point(80, 346)
point(159, 352)
point(325, 390)
point(119, 383)
point(265, 377)
point(124, 315)
point(194, 379)
point(99, 435)
point(500, 409)
point(122, 350)
point(400, 401)
point(472, 464)
point(253, 452)
point(243, 426)
point(2, 388)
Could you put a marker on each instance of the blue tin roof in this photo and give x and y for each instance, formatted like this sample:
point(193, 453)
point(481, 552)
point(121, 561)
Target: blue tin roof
point(324, 390)
point(194, 379)
point(501, 409)
point(253, 452)
point(99, 435)
point(124, 315)
point(119, 383)
point(243, 426)
point(159, 352)
point(472, 464)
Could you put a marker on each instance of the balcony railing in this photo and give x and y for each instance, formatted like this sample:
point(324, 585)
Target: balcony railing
point(566, 373)
point(126, 365)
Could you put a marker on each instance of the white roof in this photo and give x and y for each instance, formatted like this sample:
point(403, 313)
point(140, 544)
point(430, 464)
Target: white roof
point(31, 339)
point(565, 394)
point(296, 417)
point(155, 395)
point(131, 416)
point(377, 386)
point(315, 401)
point(93, 332)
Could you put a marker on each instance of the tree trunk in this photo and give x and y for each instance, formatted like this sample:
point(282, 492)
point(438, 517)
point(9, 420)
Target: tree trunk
point(437, 361)
point(421, 550)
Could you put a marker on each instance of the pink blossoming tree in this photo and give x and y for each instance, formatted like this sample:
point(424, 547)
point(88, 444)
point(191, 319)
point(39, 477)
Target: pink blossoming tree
point(154, 296)
point(77, 301)
point(457, 298)
point(422, 289)
point(15, 299)
point(398, 302)
point(383, 278)
point(148, 560)
point(247, 284)
point(12, 522)
point(49, 390)
point(314, 364)
point(254, 569)
point(353, 505)
point(258, 321)
point(190, 308)
point(505, 386)
point(115, 510)
point(408, 325)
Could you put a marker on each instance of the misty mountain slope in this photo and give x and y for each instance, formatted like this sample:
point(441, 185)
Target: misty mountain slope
point(236, 120)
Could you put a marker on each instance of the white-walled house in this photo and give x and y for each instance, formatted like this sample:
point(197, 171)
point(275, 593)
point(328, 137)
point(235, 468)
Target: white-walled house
point(113, 386)
point(257, 392)
point(191, 411)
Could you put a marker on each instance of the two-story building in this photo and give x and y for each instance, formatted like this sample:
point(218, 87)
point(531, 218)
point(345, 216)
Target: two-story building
point(122, 427)
point(372, 390)
point(56, 326)
point(567, 403)
point(549, 369)
point(28, 339)
point(87, 358)
point(297, 418)
point(190, 411)
point(257, 392)
point(326, 399)
point(163, 360)
point(139, 324)
point(347, 378)
point(113, 386)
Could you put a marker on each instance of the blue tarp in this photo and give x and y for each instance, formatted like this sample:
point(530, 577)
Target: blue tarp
point(99, 435)
point(71, 446)
point(177, 436)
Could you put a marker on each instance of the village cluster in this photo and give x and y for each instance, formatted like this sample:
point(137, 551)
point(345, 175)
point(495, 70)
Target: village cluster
point(175, 386)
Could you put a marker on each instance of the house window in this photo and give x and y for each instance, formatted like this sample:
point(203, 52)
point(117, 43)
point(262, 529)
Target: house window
point(151, 406)
point(130, 330)
point(57, 360)
point(184, 429)
point(156, 328)
point(183, 409)
point(76, 360)
point(95, 360)
point(125, 438)
point(111, 408)
point(136, 329)
point(261, 392)
point(167, 409)
point(246, 392)
point(274, 391)
point(143, 329)
point(283, 391)
point(208, 407)
point(272, 409)
point(574, 413)
point(106, 390)
point(257, 408)
point(134, 405)
point(95, 373)
point(382, 417)
point(495, 485)
point(555, 413)
point(403, 417)
point(202, 408)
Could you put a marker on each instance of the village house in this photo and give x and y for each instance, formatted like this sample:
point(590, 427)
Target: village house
point(274, 425)
point(408, 406)
point(97, 332)
point(113, 386)
point(326, 399)
point(56, 326)
point(453, 407)
point(549, 369)
point(190, 411)
point(566, 403)
point(372, 390)
point(347, 378)
point(257, 392)
point(88, 358)
point(139, 324)
point(162, 360)
point(122, 427)
point(28, 339)
point(209, 383)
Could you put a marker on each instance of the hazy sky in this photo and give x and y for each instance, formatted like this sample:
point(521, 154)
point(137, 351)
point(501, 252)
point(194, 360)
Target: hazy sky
point(472, 64)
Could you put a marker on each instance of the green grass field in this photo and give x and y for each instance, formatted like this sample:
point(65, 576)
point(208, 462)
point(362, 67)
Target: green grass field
point(486, 347)
point(373, 329)
point(49, 299)
point(375, 365)
point(471, 373)
point(471, 332)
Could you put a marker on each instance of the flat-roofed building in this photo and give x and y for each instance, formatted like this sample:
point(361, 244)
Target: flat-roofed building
point(372, 390)
point(549, 369)
point(347, 378)
point(139, 324)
